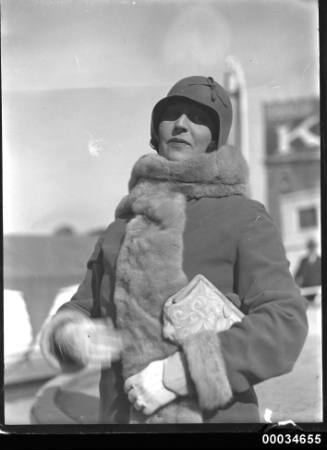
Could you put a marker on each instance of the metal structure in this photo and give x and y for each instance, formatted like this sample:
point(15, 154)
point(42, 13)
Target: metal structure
point(235, 84)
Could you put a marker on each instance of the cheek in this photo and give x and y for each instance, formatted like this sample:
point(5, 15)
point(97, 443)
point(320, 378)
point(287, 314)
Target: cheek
point(203, 136)
point(163, 136)
point(164, 131)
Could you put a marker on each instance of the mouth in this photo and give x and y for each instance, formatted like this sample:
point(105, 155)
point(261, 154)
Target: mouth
point(178, 141)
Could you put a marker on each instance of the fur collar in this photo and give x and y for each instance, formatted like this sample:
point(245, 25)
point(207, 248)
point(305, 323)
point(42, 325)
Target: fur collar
point(217, 174)
point(149, 267)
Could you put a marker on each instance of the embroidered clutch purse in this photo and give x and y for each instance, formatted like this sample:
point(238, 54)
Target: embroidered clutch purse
point(197, 307)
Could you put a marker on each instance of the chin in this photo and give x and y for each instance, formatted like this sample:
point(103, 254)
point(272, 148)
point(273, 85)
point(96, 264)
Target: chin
point(178, 155)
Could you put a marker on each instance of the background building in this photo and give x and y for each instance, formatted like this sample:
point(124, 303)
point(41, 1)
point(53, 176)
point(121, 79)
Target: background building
point(293, 171)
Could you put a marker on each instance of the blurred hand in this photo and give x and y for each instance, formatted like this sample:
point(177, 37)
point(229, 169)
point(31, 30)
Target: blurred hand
point(90, 342)
point(146, 391)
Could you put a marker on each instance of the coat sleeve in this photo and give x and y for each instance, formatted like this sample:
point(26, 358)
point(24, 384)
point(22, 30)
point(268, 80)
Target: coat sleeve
point(270, 337)
point(80, 306)
point(83, 301)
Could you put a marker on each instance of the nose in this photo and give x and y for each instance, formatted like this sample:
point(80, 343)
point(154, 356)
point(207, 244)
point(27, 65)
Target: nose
point(181, 123)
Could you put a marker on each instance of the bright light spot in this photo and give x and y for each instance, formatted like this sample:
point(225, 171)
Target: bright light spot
point(267, 415)
point(287, 422)
point(18, 333)
point(94, 146)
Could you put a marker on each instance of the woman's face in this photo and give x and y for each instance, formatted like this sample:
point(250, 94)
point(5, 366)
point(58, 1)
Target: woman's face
point(184, 130)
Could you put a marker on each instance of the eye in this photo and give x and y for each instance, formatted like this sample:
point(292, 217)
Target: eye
point(201, 117)
point(171, 112)
point(197, 117)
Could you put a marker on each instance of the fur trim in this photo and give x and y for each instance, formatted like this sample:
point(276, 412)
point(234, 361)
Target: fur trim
point(48, 342)
point(217, 174)
point(207, 369)
point(199, 190)
point(226, 165)
point(149, 270)
point(149, 266)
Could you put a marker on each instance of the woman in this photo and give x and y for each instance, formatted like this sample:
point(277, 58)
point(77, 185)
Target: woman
point(186, 214)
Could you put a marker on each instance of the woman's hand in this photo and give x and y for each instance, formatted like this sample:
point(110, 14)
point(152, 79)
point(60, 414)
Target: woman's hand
point(89, 342)
point(146, 391)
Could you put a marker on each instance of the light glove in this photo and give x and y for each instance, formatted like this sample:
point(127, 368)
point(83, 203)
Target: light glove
point(176, 376)
point(146, 390)
point(88, 342)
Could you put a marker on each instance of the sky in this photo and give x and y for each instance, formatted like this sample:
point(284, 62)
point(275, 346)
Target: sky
point(80, 79)
point(50, 44)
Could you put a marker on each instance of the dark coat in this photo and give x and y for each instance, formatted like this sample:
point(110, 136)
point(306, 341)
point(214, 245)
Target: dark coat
point(309, 273)
point(233, 242)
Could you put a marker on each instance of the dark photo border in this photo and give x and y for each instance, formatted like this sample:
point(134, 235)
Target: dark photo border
point(202, 436)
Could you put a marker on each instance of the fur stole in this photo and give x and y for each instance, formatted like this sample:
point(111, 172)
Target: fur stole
point(149, 264)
